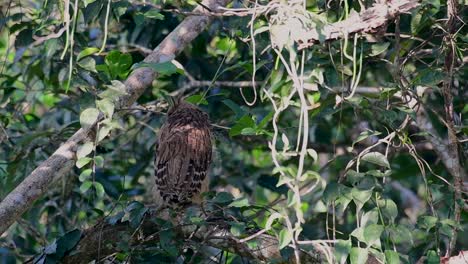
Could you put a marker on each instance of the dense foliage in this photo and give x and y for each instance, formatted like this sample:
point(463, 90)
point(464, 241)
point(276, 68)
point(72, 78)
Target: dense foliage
point(331, 151)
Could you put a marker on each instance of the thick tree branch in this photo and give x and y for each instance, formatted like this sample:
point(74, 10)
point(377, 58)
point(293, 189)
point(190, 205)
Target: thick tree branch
point(367, 21)
point(62, 160)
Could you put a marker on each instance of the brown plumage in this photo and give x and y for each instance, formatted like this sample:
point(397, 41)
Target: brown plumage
point(183, 156)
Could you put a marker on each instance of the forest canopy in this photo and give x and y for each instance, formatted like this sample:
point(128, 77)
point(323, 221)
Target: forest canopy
point(338, 128)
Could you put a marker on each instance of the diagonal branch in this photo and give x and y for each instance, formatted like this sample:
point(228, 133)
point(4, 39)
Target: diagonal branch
point(62, 160)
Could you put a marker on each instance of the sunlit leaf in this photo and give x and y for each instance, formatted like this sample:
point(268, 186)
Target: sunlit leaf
point(88, 117)
point(376, 158)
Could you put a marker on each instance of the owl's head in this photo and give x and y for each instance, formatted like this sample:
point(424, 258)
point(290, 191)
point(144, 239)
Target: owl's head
point(177, 103)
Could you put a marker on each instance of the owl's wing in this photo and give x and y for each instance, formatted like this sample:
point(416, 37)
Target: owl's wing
point(182, 162)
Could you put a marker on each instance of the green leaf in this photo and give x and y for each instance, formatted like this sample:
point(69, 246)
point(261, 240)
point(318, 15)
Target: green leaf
point(154, 14)
point(99, 161)
point(376, 158)
point(432, 257)
point(197, 99)
point(84, 150)
point(360, 197)
point(86, 52)
point(82, 162)
point(285, 237)
point(223, 197)
point(115, 218)
point(392, 257)
point(88, 117)
point(331, 192)
point(85, 186)
point(388, 208)
point(67, 242)
point(372, 234)
point(248, 131)
point(88, 64)
point(114, 91)
point(342, 249)
point(99, 189)
point(427, 222)
point(241, 202)
point(358, 255)
point(106, 106)
point(103, 132)
point(379, 48)
point(244, 122)
point(400, 234)
point(364, 135)
point(85, 175)
point(136, 211)
point(118, 63)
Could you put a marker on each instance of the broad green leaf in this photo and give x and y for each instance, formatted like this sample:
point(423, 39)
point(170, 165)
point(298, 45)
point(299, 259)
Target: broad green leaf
point(99, 189)
point(248, 131)
point(84, 150)
point(364, 135)
point(103, 132)
point(85, 186)
point(358, 255)
point(154, 14)
point(86, 52)
point(379, 48)
point(433, 257)
point(88, 117)
point(88, 64)
point(241, 202)
point(376, 158)
point(342, 249)
point(370, 217)
point(114, 91)
point(392, 257)
point(331, 192)
point(106, 106)
point(360, 197)
point(197, 99)
point(83, 161)
point(400, 234)
point(67, 242)
point(136, 211)
point(372, 234)
point(285, 237)
point(427, 222)
point(245, 122)
point(85, 175)
point(99, 161)
point(388, 208)
point(115, 218)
